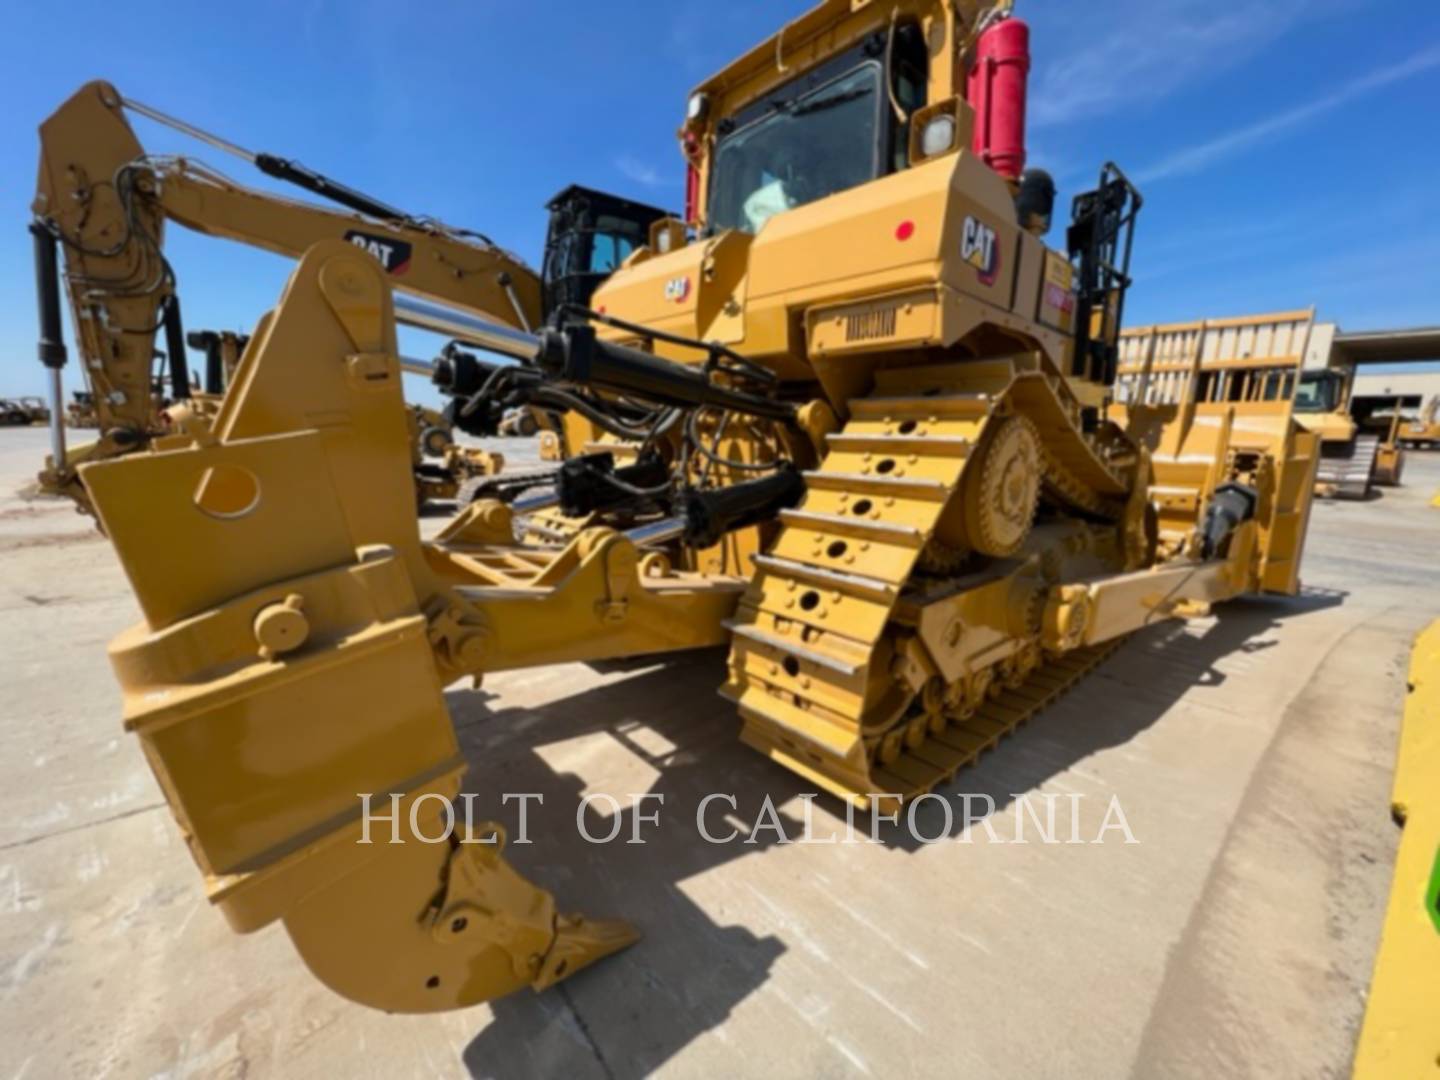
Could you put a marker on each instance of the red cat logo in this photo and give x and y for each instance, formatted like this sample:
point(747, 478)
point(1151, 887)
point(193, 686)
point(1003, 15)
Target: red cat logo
point(677, 290)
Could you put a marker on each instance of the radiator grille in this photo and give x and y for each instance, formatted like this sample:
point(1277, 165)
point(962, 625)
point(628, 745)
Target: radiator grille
point(869, 325)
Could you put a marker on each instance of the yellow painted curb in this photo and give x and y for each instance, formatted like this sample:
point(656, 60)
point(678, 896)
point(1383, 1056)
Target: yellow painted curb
point(1401, 1036)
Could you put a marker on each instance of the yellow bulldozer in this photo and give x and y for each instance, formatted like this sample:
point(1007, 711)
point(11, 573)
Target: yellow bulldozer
point(1261, 358)
point(1360, 444)
point(445, 471)
point(849, 417)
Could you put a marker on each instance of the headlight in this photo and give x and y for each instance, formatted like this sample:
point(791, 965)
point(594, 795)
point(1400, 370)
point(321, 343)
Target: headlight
point(937, 136)
point(662, 241)
point(695, 111)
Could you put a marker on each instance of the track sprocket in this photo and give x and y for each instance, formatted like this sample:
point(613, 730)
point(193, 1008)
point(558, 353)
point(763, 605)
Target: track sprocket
point(1004, 488)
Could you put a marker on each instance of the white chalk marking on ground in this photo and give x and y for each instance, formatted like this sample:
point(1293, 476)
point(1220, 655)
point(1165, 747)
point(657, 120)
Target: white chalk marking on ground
point(973, 941)
point(880, 932)
point(884, 1002)
point(19, 899)
point(57, 813)
point(790, 925)
point(854, 1058)
point(195, 906)
point(92, 865)
point(811, 1018)
point(26, 964)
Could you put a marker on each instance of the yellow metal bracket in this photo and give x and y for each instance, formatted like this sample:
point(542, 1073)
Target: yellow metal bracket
point(486, 903)
point(287, 680)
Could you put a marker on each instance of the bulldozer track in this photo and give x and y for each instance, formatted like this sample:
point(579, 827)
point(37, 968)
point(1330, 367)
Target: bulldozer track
point(937, 759)
point(1349, 469)
point(505, 486)
point(819, 663)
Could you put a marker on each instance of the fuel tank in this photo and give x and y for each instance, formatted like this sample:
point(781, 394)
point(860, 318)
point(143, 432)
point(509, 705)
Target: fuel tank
point(996, 88)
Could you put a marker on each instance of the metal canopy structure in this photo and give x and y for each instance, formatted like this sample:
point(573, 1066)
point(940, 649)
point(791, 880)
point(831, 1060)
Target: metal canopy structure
point(1387, 346)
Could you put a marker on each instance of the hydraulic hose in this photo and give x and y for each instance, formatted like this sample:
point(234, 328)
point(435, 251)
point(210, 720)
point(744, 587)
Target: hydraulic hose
point(52, 340)
point(573, 354)
point(175, 349)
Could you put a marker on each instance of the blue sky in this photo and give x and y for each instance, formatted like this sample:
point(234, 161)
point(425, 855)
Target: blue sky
point(1287, 149)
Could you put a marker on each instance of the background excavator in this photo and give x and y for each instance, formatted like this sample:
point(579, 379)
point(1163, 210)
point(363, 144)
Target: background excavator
point(1422, 429)
point(103, 203)
point(849, 417)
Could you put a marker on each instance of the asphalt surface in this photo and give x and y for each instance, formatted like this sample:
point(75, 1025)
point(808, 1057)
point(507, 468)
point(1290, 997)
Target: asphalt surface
point(1250, 754)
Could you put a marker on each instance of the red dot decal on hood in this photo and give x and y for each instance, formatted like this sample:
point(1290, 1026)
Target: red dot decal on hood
point(904, 230)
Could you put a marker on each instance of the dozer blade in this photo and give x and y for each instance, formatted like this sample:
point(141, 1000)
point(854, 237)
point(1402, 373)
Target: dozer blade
point(286, 670)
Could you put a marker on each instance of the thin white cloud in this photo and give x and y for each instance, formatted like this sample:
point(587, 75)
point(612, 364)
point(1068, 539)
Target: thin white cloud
point(1041, 155)
point(633, 168)
point(1142, 50)
point(1202, 155)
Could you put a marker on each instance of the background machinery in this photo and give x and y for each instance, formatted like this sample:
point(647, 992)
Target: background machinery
point(442, 467)
point(850, 418)
point(1238, 375)
point(80, 413)
point(15, 413)
point(1381, 417)
point(1421, 430)
point(36, 407)
point(103, 203)
point(445, 469)
point(1358, 448)
point(1262, 358)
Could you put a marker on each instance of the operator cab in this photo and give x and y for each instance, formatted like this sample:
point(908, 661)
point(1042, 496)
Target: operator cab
point(590, 234)
point(830, 129)
point(1320, 392)
point(846, 122)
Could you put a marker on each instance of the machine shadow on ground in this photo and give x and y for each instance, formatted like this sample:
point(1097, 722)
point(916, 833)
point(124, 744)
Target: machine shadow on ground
point(633, 1012)
point(1138, 685)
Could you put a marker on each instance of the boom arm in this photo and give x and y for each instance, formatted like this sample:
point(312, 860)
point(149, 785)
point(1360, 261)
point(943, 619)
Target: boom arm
point(107, 203)
point(428, 263)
